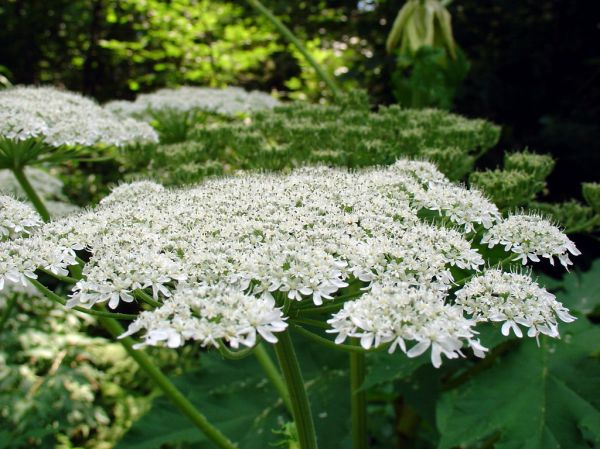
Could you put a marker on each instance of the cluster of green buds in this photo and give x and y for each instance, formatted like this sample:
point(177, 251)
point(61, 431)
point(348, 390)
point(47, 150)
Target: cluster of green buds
point(517, 184)
point(591, 194)
point(523, 178)
point(422, 23)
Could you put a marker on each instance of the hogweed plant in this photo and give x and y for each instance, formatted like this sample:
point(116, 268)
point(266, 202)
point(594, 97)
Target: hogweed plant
point(43, 125)
point(397, 259)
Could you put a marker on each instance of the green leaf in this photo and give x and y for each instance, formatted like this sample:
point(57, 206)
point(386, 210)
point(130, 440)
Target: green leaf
point(534, 398)
point(232, 394)
point(581, 290)
point(383, 367)
point(237, 398)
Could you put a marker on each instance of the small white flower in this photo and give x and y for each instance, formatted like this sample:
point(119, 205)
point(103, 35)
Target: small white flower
point(402, 313)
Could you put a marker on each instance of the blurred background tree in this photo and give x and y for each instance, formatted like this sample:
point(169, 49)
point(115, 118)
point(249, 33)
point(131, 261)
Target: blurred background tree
point(534, 65)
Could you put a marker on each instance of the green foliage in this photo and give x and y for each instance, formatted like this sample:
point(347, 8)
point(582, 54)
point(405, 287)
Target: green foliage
point(591, 193)
point(199, 41)
point(572, 215)
point(239, 400)
point(579, 290)
point(428, 78)
point(67, 387)
point(539, 165)
point(429, 66)
point(523, 179)
point(534, 397)
point(348, 134)
point(174, 126)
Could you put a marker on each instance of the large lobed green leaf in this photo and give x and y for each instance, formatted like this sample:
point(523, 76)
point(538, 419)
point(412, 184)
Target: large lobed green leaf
point(534, 398)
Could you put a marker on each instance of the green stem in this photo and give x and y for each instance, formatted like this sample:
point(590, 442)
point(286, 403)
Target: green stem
point(270, 369)
point(62, 301)
point(167, 387)
point(9, 307)
point(287, 33)
point(145, 297)
point(31, 193)
point(321, 310)
point(336, 302)
point(298, 397)
point(323, 341)
point(358, 400)
point(67, 279)
point(330, 344)
point(108, 320)
point(313, 323)
point(234, 355)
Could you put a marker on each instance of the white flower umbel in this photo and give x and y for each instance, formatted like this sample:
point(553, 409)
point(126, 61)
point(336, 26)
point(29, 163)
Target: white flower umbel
point(228, 101)
point(209, 315)
point(531, 237)
point(16, 218)
point(65, 118)
point(467, 208)
point(406, 313)
point(513, 299)
point(223, 259)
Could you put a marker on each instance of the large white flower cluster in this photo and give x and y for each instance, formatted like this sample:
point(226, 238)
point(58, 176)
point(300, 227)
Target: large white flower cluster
point(226, 258)
point(65, 118)
point(227, 101)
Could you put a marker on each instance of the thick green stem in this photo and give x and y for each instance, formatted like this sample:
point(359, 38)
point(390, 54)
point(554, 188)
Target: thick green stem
point(31, 193)
point(6, 314)
point(295, 385)
point(358, 400)
point(287, 33)
point(270, 369)
point(163, 382)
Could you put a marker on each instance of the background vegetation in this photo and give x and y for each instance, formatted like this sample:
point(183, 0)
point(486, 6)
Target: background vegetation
point(530, 67)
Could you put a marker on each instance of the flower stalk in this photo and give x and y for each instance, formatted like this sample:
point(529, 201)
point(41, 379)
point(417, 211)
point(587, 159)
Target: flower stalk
point(37, 202)
point(358, 400)
point(167, 387)
point(287, 33)
point(295, 384)
point(7, 311)
point(270, 369)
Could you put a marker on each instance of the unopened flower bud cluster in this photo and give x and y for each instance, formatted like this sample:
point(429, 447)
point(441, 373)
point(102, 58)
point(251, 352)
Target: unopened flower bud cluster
point(221, 257)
